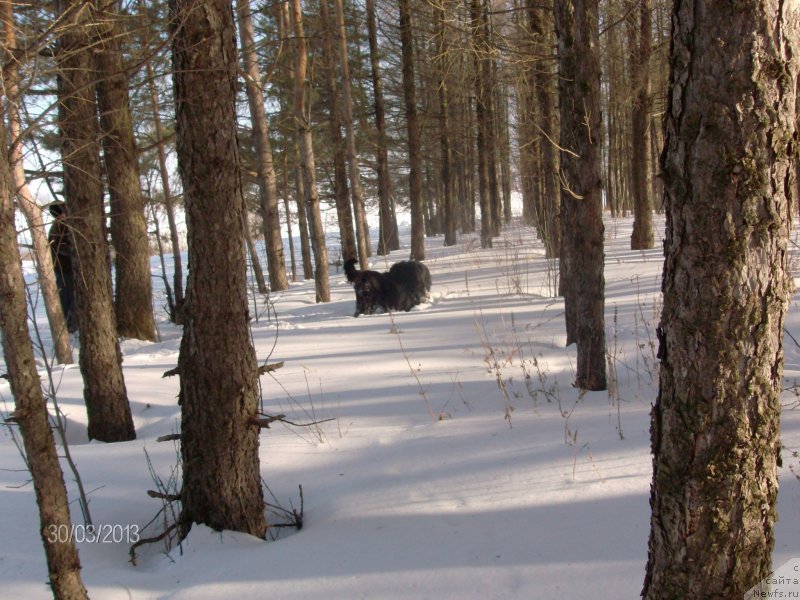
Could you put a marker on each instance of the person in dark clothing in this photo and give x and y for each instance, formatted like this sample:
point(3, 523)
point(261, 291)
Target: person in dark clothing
point(61, 250)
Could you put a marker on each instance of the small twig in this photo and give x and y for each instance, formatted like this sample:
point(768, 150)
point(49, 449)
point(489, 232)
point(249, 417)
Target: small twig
point(171, 372)
point(169, 438)
point(150, 540)
point(163, 496)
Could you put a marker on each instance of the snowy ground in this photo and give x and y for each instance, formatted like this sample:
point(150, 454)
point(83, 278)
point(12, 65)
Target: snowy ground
point(458, 462)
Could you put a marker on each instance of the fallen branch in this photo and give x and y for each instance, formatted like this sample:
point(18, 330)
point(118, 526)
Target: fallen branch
point(263, 369)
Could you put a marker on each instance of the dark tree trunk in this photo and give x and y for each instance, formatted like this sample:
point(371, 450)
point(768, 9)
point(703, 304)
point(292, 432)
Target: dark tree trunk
point(416, 199)
point(100, 359)
point(443, 50)
point(582, 278)
point(63, 564)
point(268, 189)
point(727, 165)
point(389, 238)
point(217, 363)
point(482, 119)
point(133, 293)
point(642, 236)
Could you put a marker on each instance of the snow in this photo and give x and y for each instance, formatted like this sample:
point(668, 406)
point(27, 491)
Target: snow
point(452, 457)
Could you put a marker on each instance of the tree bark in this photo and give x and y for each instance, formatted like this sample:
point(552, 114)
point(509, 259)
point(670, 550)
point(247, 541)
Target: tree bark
point(133, 293)
point(582, 280)
point(307, 163)
point(389, 238)
point(27, 204)
point(728, 167)
point(268, 189)
point(642, 236)
point(100, 358)
point(413, 128)
point(443, 51)
point(481, 117)
point(30, 413)
point(217, 363)
point(356, 193)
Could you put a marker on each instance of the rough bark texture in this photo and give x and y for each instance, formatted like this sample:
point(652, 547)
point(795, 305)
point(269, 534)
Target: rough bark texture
point(727, 164)
point(133, 293)
point(30, 412)
point(642, 236)
point(267, 186)
point(217, 363)
point(100, 358)
point(27, 203)
point(389, 238)
point(481, 119)
point(582, 280)
point(413, 127)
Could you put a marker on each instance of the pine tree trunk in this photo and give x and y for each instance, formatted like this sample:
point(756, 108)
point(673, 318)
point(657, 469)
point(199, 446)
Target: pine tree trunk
point(727, 166)
point(169, 209)
point(582, 278)
point(133, 292)
point(100, 358)
point(481, 118)
point(416, 199)
point(341, 190)
point(27, 203)
point(642, 236)
point(217, 363)
point(389, 238)
point(307, 163)
point(30, 412)
point(444, 128)
point(258, 272)
point(356, 193)
point(268, 189)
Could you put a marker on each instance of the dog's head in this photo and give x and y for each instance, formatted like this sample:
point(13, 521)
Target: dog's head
point(368, 288)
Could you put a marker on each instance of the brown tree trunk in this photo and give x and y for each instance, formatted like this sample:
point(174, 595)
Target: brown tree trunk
point(642, 236)
point(268, 189)
point(100, 358)
point(541, 23)
point(443, 51)
point(169, 209)
point(258, 272)
point(362, 231)
point(582, 280)
point(217, 363)
point(344, 210)
point(63, 564)
point(133, 293)
point(416, 200)
point(727, 284)
point(27, 203)
point(307, 163)
point(482, 118)
point(389, 238)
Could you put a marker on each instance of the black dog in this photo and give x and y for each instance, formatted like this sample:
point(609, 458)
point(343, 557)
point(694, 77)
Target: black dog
point(405, 285)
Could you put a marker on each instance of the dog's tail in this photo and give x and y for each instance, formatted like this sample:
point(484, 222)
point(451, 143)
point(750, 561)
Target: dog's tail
point(350, 270)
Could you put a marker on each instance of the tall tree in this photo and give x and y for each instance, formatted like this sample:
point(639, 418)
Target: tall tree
point(728, 161)
point(389, 238)
point(307, 162)
point(30, 413)
point(582, 280)
point(25, 199)
point(100, 358)
point(268, 188)
point(176, 310)
point(482, 91)
point(443, 59)
point(217, 363)
point(413, 127)
point(641, 42)
point(133, 293)
point(362, 231)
